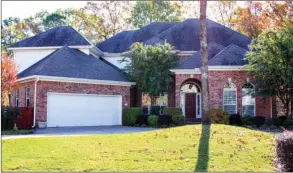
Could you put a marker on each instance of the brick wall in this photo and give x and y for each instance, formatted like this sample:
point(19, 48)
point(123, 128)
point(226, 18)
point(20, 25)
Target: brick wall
point(217, 81)
point(21, 99)
point(61, 87)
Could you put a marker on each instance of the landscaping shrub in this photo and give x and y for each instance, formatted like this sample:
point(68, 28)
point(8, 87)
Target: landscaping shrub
point(8, 117)
point(235, 119)
point(178, 120)
point(281, 120)
point(219, 116)
point(259, 121)
point(247, 120)
point(172, 111)
point(284, 151)
point(165, 120)
point(153, 120)
point(288, 124)
point(130, 115)
point(155, 110)
point(142, 120)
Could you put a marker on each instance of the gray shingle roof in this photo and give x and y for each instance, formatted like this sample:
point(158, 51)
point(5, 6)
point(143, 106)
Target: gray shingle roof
point(194, 61)
point(68, 62)
point(185, 36)
point(58, 36)
point(231, 55)
point(123, 40)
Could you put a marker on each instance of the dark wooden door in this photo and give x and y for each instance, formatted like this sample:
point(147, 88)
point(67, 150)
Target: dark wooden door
point(190, 102)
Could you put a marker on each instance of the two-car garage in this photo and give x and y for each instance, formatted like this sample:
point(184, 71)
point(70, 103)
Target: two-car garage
point(69, 109)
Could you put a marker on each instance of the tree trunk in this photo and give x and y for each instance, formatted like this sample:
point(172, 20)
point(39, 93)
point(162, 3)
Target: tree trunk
point(204, 63)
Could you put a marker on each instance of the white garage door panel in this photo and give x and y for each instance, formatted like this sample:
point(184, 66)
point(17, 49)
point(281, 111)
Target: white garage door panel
point(83, 110)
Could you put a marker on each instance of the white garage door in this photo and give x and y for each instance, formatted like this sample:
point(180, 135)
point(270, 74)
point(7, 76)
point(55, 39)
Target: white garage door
point(83, 110)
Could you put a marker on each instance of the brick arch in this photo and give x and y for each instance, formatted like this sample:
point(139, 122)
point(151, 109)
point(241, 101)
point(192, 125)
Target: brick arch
point(191, 80)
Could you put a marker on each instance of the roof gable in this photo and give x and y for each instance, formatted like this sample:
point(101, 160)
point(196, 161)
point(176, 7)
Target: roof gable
point(231, 55)
point(58, 36)
point(194, 61)
point(68, 62)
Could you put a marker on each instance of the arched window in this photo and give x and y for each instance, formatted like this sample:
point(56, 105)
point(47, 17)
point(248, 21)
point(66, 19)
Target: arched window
point(248, 101)
point(230, 98)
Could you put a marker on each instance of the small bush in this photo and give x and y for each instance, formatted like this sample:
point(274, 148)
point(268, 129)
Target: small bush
point(155, 110)
point(288, 124)
point(178, 120)
point(165, 120)
point(235, 119)
point(172, 111)
point(8, 117)
point(130, 115)
point(247, 120)
point(259, 121)
point(142, 120)
point(284, 151)
point(281, 120)
point(219, 116)
point(153, 120)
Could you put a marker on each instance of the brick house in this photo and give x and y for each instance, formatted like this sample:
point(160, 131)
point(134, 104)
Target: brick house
point(71, 82)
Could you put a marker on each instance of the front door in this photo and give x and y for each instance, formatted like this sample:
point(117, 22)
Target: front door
point(190, 104)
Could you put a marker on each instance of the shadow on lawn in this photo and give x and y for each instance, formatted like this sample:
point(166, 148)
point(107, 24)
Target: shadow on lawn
point(203, 150)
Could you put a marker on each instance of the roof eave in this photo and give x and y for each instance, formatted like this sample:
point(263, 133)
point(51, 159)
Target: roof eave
point(74, 80)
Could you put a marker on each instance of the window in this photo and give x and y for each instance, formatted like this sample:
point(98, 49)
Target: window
point(146, 102)
point(248, 101)
point(27, 97)
point(230, 98)
point(17, 98)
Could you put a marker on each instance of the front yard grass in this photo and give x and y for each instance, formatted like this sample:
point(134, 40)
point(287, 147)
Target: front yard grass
point(221, 148)
point(16, 132)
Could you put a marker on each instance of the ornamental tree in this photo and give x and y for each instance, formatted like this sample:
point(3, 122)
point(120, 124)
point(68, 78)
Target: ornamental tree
point(8, 76)
point(271, 61)
point(149, 67)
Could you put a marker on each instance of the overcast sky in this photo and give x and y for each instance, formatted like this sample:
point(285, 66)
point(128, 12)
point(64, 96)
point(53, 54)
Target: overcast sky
point(24, 9)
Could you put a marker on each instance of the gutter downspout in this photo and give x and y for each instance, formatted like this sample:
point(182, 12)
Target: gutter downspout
point(35, 102)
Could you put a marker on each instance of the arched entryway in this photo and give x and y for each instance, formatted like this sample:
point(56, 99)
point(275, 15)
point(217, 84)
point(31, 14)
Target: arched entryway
point(190, 99)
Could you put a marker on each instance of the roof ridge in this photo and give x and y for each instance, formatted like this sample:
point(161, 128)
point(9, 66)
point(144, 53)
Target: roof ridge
point(227, 28)
point(220, 52)
point(226, 48)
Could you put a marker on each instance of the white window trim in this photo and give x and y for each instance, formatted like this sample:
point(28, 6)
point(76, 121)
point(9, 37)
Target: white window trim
point(230, 89)
point(254, 108)
point(27, 97)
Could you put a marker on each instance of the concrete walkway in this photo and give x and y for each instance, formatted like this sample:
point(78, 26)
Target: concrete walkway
point(78, 131)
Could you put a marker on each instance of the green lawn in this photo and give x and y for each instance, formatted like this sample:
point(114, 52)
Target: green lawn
point(221, 148)
point(16, 132)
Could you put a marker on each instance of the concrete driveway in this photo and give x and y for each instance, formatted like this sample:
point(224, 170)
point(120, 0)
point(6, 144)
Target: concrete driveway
point(77, 131)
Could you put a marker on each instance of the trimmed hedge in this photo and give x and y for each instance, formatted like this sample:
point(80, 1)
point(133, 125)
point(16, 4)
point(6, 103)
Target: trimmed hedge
point(288, 124)
point(165, 120)
point(155, 110)
point(259, 121)
point(130, 115)
point(284, 151)
point(235, 119)
point(172, 111)
point(8, 117)
point(247, 120)
point(178, 120)
point(219, 116)
point(142, 120)
point(153, 120)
